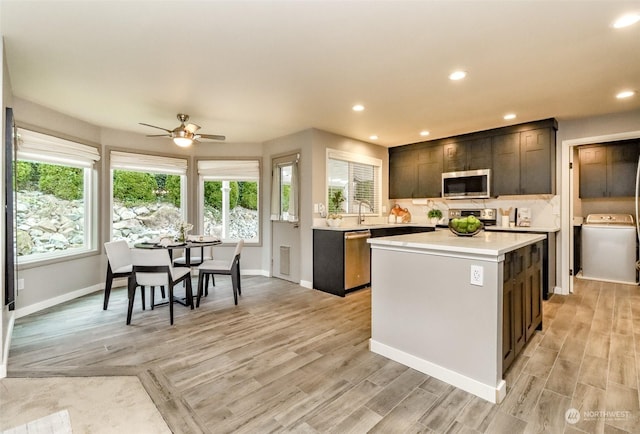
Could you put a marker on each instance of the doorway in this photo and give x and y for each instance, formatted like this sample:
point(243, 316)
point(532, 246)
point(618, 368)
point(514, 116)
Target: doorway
point(285, 227)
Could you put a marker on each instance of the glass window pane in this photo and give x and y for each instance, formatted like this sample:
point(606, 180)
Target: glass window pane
point(146, 206)
point(50, 209)
point(357, 184)
point(231, 210)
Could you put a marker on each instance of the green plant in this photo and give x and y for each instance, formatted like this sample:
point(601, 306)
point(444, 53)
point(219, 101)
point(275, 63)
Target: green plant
point(434, 213)
point(132, 188)
point(61, 181)
point(213, 194)
point(248, 194)
point(172, 187)
point(336, 197)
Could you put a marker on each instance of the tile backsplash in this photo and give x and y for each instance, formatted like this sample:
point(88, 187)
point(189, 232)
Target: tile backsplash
point(545, 209)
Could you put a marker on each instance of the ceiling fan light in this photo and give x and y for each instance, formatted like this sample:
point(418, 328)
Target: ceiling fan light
point(183, 142)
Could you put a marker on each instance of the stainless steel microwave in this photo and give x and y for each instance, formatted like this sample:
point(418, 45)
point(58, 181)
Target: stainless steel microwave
point(468, 184)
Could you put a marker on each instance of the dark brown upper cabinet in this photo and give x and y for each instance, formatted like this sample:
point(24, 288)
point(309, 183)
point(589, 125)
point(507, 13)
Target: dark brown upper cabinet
point(522, 159)
point(467, 155)
point(608, 170)
point(524, 162)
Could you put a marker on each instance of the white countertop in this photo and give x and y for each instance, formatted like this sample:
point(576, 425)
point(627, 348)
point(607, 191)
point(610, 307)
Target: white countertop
point(364, 227)
point(488, 244)
point(537, 229)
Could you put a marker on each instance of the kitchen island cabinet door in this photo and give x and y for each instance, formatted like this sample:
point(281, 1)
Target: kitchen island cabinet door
point(519, 301)
point(508, 305)
point(533, 286)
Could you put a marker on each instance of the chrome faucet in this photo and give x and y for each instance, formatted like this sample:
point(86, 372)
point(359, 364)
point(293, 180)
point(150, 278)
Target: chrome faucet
point(360, 216)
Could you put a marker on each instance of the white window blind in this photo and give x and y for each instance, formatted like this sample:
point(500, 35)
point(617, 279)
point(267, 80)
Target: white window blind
point(229, 170)
point(148, 163)
point(42, 148)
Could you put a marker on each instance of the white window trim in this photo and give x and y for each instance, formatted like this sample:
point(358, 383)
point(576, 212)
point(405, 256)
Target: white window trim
point(205, 168)
point(48, 149)
point(145, 163)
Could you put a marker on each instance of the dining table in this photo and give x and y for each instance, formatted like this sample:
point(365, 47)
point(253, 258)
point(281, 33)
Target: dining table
point(175, 245)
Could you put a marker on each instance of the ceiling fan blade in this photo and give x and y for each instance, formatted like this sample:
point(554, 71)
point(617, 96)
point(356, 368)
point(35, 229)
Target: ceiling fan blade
point(192, 127)
point(158, 135)
point(153, 126)
point(211, 137)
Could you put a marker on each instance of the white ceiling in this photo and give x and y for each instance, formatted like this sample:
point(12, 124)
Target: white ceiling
point(257, 70)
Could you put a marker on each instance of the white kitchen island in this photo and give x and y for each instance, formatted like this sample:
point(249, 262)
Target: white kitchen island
point(427, 315)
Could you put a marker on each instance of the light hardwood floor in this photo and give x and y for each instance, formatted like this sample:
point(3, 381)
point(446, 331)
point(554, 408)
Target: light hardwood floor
point(290, 359)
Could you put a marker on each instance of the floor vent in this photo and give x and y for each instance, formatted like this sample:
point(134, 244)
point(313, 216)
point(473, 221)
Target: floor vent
point(285, 257)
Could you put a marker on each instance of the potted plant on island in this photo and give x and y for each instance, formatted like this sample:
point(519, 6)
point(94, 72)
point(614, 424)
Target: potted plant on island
point(434, 215)
point(336, 197)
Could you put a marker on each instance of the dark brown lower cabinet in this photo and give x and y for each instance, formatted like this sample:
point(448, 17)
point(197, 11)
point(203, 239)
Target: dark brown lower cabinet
point(521, 300)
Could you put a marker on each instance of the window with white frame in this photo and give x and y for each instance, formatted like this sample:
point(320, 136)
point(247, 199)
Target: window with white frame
point(230, 199)
point(148, 196)
point(55, 197)
point(356, 179)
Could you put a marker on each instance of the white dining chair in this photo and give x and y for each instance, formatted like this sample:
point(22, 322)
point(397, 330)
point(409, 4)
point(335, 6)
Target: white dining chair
point(152, 267)
point(118, 265)
point(218, 266)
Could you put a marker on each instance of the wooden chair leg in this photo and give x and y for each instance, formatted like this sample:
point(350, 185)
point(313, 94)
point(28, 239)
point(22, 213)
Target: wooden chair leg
point(162, 292)
point(153, 297)
point(143, 290)
point(107, 287)
point(234, 284)
point(239, 284)
point(132, 293)
point(201, 277)
point(171, 304)
point(189, 292)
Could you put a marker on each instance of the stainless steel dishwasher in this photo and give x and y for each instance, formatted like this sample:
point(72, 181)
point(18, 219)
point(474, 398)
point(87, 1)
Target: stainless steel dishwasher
point(357, 259)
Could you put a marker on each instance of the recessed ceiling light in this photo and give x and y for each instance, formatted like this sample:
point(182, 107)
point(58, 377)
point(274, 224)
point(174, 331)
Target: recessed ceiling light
point(509, 116)
point(424, 133)
point(626, 21)
point(457, 75)
point(373, 137)
point(625, 94)
point(357, 108)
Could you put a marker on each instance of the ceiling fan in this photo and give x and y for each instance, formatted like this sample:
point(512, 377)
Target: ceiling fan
point(184, 135)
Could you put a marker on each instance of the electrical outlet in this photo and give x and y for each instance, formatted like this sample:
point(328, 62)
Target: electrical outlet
point(316, 208)
point(477, 275)
point(20, 284)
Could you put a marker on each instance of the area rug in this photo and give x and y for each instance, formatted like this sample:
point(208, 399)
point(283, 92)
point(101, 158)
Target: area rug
point(93, 404)
point(57, 423)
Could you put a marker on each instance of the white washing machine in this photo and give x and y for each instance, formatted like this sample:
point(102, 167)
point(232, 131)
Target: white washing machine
point(609, 248)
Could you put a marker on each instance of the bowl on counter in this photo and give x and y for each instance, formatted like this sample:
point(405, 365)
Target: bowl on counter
point(466, 234)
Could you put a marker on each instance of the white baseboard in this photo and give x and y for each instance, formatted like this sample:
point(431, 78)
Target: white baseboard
point(57, 300)
point(7, 343)
point(494, 394)
point(306, 284)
